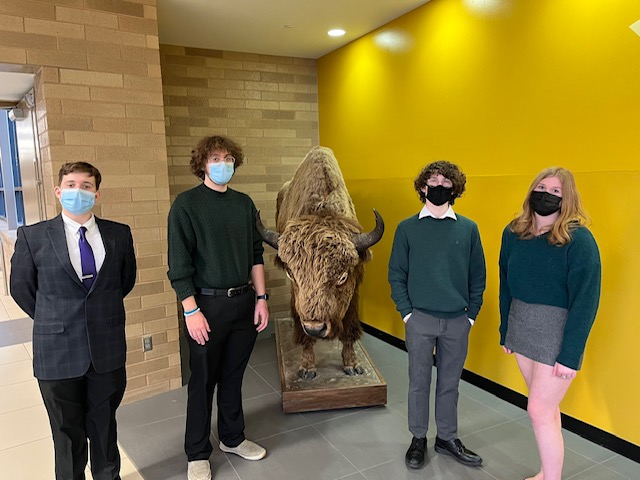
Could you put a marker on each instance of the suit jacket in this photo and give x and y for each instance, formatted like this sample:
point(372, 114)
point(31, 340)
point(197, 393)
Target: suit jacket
point(72, 326)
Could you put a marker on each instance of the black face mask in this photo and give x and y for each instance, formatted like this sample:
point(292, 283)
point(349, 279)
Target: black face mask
point(439, 195)
point(544, 203)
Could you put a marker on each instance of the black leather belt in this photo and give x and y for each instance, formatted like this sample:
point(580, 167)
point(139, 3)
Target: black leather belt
point(224, 292)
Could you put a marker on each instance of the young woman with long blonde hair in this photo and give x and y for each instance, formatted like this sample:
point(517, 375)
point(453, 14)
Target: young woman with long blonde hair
point(549, 293)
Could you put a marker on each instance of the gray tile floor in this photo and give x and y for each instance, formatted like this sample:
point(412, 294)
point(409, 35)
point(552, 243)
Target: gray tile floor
point(362, 443)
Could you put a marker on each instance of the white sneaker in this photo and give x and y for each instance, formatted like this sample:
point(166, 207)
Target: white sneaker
point(247, 450)
point(199, 470)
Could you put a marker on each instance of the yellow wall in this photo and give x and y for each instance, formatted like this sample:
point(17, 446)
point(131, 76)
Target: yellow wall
point(504, 89)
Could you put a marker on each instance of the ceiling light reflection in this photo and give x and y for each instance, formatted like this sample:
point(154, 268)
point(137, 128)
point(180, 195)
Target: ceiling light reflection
point(336, 32)
point(490, 7)
point(393, 40)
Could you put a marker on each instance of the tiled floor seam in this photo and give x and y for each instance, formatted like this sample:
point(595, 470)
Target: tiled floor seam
point(612, 470)
point(339, 452)
point(261, 364)
point(226, 456)
point(594, 466)
point(25, 443)
point(257, 397)
point(490, 407)
point(584, 456)
point(266, 437)
point(490, 427)
point(364, 409)
point(264, 379)
point(121, 427)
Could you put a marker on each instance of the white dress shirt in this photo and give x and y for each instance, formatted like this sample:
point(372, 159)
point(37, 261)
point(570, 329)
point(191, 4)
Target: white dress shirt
point(425, 212)
point(93, 237)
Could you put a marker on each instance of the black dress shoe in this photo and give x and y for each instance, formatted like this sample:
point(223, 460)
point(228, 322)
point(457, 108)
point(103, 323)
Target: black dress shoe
point(457, 450)
point(415, 455)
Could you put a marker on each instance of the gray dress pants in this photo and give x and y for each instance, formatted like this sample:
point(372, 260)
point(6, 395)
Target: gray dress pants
point(450, 338)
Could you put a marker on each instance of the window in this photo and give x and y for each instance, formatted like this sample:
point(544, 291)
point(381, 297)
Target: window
point(11, 196)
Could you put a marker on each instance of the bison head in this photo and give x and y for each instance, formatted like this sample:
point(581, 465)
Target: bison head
point(323, 257)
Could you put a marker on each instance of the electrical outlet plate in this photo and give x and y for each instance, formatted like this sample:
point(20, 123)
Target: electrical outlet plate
point(147, 343)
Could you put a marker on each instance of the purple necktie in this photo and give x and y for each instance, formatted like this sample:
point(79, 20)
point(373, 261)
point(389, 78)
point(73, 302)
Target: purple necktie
point(87, 260)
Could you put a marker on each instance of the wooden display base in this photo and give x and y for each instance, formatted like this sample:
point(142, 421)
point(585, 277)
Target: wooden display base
point(332, 388)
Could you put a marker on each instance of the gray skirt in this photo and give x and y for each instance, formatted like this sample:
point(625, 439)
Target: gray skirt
point(536, 331)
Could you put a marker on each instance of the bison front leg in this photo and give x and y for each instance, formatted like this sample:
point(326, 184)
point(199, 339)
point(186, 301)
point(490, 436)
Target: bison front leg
point(351, 333)
point(307, 369)
point(349, 360)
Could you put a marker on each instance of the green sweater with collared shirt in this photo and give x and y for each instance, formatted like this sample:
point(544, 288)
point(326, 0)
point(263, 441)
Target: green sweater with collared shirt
point(437, 266)
point(213, 240)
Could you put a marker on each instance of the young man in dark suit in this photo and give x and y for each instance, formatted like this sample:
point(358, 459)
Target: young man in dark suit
point(70, 275)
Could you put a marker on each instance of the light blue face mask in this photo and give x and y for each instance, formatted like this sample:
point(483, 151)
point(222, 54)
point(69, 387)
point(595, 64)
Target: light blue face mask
point(221, 173)
point(77, 201)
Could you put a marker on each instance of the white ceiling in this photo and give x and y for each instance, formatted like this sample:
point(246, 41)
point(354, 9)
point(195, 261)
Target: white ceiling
point(292, 28)
point(14, 86)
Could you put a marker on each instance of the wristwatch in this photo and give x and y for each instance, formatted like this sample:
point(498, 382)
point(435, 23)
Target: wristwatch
point(263, 297)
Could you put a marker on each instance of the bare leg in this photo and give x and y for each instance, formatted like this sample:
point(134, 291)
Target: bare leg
point(545, 394)
point(537, 476)
point(526, 368)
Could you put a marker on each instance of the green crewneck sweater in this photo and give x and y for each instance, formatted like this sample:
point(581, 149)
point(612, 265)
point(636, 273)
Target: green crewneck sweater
point(438, 267)
point(533, 271)
point(213, 242)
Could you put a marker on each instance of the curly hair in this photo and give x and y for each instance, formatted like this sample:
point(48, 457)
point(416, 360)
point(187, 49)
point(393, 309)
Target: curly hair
point(447, 170)
point(572, 215)
point(204, 148)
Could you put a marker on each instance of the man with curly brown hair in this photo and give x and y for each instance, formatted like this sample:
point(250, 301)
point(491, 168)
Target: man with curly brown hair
point(437, 274)
point(217, 270)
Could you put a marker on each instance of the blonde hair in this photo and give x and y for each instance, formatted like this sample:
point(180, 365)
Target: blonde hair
point(571, 216)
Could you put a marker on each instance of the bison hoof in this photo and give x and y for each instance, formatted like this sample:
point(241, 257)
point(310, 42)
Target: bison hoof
point(307, 374)
point(357, 370)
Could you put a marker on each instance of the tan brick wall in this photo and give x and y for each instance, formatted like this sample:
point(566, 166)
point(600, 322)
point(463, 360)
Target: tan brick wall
point(268, 104)
point(99, 99)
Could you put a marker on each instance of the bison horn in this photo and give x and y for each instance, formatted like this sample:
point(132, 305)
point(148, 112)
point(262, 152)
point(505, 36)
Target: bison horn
point(269, 236)
point(362, 241)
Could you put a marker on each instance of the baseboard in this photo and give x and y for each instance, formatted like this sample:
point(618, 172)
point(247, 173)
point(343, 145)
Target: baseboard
point(589, 432)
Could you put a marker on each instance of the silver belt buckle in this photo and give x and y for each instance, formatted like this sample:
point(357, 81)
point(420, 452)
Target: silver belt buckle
point(230, 292)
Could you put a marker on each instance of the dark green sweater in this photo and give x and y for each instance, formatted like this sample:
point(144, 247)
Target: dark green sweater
point(534, 271)
point(437, 266)
point(213, 242)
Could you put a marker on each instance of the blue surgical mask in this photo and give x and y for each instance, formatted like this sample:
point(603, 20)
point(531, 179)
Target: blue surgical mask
point(221, 173)
point(77, 201)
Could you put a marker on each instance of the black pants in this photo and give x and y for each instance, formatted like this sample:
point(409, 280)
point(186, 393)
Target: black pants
point(81, 408)
point(221, 361)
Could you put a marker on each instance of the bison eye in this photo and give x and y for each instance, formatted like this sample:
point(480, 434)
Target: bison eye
point(343, 278)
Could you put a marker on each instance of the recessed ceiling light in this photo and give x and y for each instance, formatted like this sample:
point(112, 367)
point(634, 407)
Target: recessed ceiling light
point(336, 32)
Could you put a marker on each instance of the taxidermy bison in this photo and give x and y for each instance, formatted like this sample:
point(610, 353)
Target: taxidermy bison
point(322, 248)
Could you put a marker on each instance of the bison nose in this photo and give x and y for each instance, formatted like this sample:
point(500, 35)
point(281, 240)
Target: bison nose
point(320, 332)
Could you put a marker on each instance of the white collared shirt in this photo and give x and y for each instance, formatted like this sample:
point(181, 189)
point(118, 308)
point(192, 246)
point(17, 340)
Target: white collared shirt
point(425, 212)
point(93, 237)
